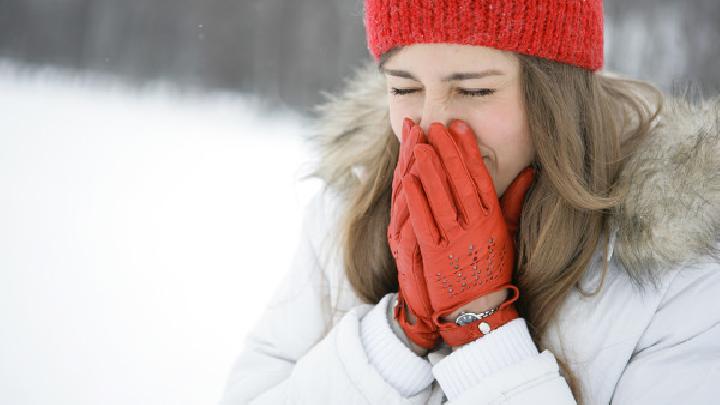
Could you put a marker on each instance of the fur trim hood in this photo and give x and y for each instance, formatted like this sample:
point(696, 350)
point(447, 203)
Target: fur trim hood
point(671, 213)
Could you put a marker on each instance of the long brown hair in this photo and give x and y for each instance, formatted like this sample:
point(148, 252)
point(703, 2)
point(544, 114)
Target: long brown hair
point(584, 126)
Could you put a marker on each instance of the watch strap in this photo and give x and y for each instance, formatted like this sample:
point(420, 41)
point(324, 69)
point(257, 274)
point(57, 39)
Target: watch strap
point(457, 335)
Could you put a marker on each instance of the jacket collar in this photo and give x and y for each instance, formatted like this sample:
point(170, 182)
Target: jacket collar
point(671, 213)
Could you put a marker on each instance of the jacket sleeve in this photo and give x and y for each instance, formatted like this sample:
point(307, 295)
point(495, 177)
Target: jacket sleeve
point(505, 367)
point(677, 359)
point(291, 355)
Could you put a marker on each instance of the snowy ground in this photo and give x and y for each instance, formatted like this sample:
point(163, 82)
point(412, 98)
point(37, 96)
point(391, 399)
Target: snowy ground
point(135, 229)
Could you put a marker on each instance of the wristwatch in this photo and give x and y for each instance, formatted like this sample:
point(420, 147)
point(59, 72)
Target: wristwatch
point(467, 317)
point(469, 326)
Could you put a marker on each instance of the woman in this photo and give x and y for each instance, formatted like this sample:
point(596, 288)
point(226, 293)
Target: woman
point(582, 208)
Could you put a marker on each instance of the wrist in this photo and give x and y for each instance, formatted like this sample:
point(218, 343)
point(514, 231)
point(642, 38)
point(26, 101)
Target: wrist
point(479, 304)
point(420, 351)
point(400, 332)
point(456, 335)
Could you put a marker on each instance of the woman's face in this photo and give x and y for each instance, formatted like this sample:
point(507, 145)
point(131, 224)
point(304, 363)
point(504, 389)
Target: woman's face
point(476, 84)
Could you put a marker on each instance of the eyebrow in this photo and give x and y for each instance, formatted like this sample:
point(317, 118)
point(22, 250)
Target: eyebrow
point(449, 78)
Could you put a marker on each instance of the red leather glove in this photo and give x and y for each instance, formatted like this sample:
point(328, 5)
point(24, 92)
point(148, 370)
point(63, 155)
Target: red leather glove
point(403, 245)
point(466, 245)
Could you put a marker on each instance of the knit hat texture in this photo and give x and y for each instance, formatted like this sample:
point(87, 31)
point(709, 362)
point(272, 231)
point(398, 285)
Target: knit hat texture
point(567, 31)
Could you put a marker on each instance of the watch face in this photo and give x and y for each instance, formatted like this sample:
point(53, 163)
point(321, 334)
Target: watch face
point(465, 318)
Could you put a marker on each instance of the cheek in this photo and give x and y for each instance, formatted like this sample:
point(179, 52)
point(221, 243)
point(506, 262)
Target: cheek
point(397, 115)
point(396, 128)
point(498, 136)
point(508, 138)
point(401, 107)
point(504, 136)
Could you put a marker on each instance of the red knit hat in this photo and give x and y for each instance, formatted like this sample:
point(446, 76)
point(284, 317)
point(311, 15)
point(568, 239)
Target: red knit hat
point(568, 31)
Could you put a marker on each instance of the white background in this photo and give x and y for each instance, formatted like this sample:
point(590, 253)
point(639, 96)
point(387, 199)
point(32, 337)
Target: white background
point(141, 233)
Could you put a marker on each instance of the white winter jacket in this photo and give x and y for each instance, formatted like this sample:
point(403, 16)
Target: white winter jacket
point(627, 345)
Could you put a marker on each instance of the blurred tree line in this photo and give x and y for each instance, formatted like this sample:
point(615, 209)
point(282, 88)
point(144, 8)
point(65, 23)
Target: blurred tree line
point(288, 51)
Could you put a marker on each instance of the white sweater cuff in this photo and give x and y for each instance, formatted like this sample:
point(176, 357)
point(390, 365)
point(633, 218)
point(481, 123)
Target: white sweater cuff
point(468, 365)
point(394, 361)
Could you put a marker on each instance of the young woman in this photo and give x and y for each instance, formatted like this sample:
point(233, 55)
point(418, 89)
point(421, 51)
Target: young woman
point(501, 223)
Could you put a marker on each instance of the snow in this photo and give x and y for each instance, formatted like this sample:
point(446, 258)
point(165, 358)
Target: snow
point(141, 233)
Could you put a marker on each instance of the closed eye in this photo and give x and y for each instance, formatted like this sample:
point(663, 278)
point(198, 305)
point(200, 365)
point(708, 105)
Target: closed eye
point(465, 92)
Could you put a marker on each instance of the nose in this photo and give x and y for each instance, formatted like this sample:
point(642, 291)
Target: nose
point(434, 111)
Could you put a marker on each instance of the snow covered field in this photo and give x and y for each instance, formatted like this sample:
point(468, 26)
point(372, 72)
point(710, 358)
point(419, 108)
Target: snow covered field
point(136, 227)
